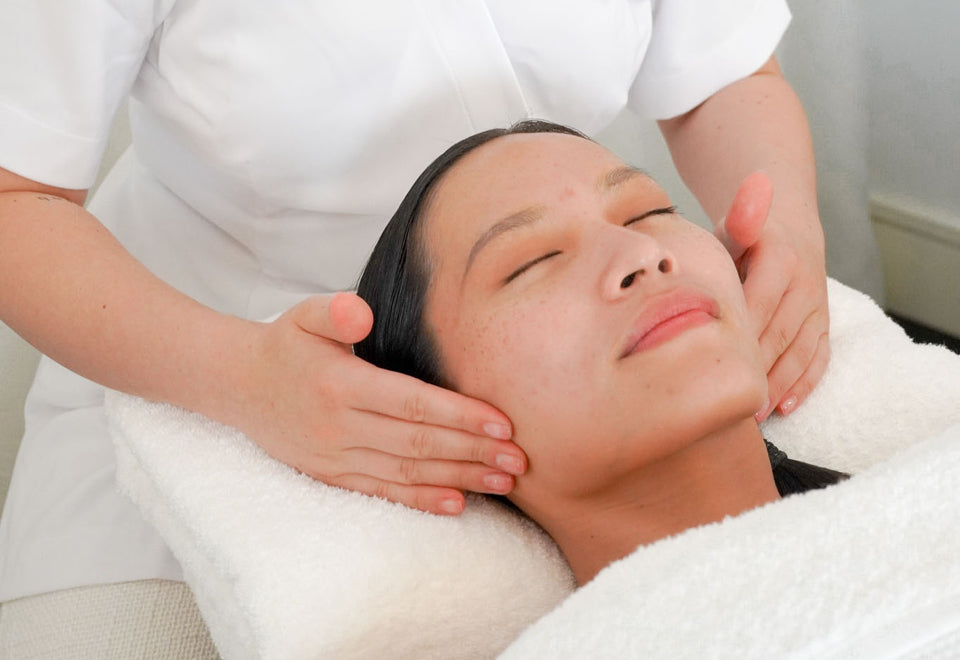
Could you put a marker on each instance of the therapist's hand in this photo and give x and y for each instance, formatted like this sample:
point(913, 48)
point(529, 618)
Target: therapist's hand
point(785, 283)
point(343, 421)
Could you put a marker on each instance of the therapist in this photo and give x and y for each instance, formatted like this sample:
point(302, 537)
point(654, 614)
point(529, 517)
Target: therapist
point(271, 142)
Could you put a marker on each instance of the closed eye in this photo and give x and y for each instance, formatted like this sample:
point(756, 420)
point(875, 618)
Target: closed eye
point(668, 210)
point(525, 267)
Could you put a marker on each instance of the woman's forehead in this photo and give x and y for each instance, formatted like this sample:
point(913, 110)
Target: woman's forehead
point(513, 172)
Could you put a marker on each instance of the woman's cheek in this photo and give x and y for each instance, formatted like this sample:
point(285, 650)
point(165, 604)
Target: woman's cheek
point(716, 269)
point(527, 358)
point(487, 359)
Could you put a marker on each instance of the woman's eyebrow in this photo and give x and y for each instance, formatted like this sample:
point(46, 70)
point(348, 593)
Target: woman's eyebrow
point(620, 175)
point(522, 218)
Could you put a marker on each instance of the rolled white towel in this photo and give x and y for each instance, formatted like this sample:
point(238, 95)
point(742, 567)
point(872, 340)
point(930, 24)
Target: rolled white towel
point(285, 567)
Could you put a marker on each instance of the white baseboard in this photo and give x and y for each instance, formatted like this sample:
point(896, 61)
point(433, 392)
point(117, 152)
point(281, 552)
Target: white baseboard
point(920, 251)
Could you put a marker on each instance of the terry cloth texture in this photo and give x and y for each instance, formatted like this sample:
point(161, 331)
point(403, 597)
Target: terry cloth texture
point(868, 568)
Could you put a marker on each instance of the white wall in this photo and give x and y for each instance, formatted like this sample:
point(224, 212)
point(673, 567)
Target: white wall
point(913, 56)
point(913, 74)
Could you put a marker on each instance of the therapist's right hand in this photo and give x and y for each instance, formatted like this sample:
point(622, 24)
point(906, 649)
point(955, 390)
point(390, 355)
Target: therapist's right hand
point(347, 423)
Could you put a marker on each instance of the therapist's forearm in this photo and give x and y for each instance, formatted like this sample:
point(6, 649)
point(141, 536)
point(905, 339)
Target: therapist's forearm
point(754, 124)
point(71, 290)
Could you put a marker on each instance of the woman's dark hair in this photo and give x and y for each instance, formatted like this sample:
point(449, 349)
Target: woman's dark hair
point(396, 278)
point(792, 477)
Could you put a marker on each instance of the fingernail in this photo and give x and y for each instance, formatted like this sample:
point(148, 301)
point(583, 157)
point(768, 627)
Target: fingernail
point(787, 406)
point(499, 431)
point(452, 507)
point(509, 463)
point(760, 415)
point(498, 483)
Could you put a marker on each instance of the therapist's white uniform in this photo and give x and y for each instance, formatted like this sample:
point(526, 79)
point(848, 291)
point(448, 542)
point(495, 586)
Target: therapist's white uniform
point(272, 141)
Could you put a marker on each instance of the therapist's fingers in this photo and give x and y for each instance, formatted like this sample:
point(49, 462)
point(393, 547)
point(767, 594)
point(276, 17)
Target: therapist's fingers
point(432, 499)
point(346, 318)
point(459, 475)
point(314, 405)
point(767, 275)
point(792, 345)
point(421, 441)
point(787, 391)
point(405, 398)
point(783, 328)
point(800, 390)
point(784, 284)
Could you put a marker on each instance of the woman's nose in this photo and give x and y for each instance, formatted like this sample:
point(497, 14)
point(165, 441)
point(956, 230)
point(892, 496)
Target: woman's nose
point(634, 260)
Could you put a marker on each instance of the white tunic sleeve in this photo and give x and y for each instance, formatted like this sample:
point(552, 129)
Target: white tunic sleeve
point(698, 47)
point(67, 65)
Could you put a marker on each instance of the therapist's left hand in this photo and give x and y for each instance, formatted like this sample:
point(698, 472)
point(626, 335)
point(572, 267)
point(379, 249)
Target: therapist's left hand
point(782, 265)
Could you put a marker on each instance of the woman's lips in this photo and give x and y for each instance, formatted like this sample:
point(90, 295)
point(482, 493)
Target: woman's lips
point(667, 316)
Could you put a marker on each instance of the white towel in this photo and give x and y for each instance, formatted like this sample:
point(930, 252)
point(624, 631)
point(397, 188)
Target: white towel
point(869, 568)
point(284, 567)
point(881, 392)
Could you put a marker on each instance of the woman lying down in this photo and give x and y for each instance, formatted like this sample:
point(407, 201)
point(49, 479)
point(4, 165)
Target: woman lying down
point(531, 268)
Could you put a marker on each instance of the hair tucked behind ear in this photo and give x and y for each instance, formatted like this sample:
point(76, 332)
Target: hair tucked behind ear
point(396, 278)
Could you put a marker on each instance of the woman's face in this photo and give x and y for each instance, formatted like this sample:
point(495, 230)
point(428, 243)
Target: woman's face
point(566, 292)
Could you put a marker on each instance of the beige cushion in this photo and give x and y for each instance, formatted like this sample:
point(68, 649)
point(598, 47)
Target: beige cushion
point(155, 619)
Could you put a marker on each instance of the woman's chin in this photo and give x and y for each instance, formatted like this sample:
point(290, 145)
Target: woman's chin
point(720, 394)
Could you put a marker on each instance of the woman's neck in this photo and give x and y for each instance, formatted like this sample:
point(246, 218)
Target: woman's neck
point(723, 474)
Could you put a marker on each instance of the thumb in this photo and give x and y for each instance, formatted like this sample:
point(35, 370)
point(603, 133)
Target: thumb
point(743, 225)
point(343, 317)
